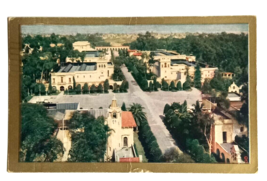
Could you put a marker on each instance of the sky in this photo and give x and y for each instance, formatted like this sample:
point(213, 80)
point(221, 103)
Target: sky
point(85, 29)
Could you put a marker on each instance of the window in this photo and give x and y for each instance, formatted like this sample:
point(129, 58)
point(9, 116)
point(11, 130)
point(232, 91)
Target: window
point(225, 137)
point(83, 76)
point(125, 141)
point(77, 76)
point(53, 80)
point(233, 87)
point(108, 73)
point(241, 129)
point(165, 64)
point(61, 79)
point(114, 115)
point(69, 80)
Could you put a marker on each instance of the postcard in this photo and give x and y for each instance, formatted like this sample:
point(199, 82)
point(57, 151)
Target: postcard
point(162, 97)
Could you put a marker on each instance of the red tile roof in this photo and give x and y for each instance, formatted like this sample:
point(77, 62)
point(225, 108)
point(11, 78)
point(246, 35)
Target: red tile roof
point(132, 50)
point(135, 159)
point(127, 119)
point(137, 54)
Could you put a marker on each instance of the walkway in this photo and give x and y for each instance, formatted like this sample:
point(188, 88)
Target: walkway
point(164, 139)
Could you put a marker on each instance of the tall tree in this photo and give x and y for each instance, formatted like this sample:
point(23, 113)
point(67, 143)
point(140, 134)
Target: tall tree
point(197, 78)
point(85, 88)
point(74, 83)
point(106, 85)
point(89, 144)
point(37, 140)
point(187, 83)
point(123, 107)
point(179, 86)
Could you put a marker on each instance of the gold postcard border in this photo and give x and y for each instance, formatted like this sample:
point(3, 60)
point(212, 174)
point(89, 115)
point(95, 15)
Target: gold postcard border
point(13, 164)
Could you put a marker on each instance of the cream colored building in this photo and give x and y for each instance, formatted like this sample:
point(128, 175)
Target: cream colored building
point(91, 73)
point(171, 66)
point(82, 46)
point(233, 88)
point(223, 133)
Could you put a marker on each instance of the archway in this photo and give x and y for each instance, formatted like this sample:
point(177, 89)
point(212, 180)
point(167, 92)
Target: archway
point(111, 87)
point(125, 141)
point(61, 88)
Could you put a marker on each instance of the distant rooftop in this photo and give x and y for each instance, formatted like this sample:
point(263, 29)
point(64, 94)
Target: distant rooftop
point(83, 67)
point(92, 54)
point(180, 61)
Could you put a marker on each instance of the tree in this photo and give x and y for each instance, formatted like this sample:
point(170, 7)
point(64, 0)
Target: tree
point(93, 88)
point(88, 144)
point(197, 78)
point(106, 86)
point(85, 88)
point(138, 114)
point(179, 86)
point(74, 83)
point(187, 83)
point(172, 86)
point(144, 84)
point(206, 88)
point(78, 89)
point(50, 89)
point(37, 140)
point(100, 88)
point(165, 85)
point(123, 107)
point(171, 155)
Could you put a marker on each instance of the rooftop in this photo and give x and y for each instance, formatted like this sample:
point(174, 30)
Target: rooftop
point(81, 43)
point(127, 119)
point(83, 67)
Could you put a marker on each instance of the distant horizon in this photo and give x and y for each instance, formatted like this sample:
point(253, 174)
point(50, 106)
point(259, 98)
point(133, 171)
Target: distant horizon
point(132, 29)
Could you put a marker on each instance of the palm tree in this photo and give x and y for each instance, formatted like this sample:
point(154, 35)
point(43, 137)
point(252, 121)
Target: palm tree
point(138, 114)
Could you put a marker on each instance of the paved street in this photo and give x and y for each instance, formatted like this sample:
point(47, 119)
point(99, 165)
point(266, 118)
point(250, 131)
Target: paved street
point(153, 103)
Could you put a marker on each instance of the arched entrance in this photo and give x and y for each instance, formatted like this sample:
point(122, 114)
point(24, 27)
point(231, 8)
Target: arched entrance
point(61, 88)
point(125, 141)
point(111, 87)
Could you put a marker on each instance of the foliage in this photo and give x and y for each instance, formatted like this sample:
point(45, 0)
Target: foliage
point(206, 88)
point(78, 89)
point(85, 88)
point(172, 86)
point(123, 107)
point(138, 114)
point(74, 83)
point(93, 88)
point(89, 138)
point(198, 153)
point(187, 83)
point(149, 142)
point(184, 125)
point(106, 86)
point(243, 143)
point(100, 88)
point(37, 140)
point(117, 75)
point(179, 86)
point(197, 77)
point(165, 85)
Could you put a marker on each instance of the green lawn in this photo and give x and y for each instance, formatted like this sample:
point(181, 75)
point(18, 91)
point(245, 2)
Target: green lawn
point(139, 147)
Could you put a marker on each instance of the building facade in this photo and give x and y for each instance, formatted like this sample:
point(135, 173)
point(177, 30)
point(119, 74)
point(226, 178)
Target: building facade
point(171, 66)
